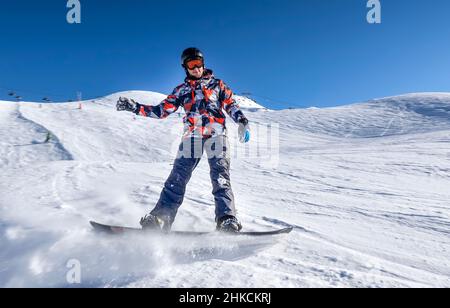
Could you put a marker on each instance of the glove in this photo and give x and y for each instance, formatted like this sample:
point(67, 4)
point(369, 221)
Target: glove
point(125, 104)
point(244, 131)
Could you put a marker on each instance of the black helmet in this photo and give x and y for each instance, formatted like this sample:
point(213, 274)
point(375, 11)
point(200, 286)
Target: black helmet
point(191, 54)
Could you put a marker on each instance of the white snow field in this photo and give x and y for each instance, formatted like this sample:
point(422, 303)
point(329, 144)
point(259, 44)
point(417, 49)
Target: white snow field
point(366, 187)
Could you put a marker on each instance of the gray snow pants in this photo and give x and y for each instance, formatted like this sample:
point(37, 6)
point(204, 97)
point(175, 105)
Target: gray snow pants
point(189, 155)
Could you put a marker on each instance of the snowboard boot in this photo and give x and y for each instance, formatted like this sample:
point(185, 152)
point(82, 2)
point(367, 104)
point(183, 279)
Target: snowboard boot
point(229, 224)
point(152, 222)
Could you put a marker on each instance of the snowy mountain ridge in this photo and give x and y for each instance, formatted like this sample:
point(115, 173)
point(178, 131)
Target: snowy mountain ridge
point(153, 98)
point(364, 185)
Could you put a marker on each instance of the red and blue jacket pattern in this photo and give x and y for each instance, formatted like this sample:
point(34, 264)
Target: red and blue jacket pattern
point(204, 102)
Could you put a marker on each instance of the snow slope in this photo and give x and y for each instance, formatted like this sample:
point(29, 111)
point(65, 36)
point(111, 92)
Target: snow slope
point(364, 185)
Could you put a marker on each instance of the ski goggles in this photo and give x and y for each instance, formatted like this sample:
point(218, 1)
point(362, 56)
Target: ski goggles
point(193, 64)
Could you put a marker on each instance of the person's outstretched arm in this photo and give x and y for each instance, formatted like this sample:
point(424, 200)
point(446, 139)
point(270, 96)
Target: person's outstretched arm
point(161, 111)
point(231, 107)
point(229, 104)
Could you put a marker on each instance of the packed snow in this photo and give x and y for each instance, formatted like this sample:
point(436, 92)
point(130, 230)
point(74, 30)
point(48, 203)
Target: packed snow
point(365, 186)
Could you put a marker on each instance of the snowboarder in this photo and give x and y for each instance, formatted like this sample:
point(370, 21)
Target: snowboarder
point(204, 99)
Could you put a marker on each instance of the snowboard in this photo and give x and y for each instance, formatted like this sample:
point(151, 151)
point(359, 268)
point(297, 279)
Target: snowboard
point(116, 230)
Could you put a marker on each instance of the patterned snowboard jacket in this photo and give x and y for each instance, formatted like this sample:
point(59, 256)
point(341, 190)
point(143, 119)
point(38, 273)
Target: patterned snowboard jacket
point(204, 101)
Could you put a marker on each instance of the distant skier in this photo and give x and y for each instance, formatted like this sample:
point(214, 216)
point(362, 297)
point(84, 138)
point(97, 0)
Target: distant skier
point(204, 98)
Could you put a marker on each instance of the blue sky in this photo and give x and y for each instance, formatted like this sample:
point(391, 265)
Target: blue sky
point(288, 53)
